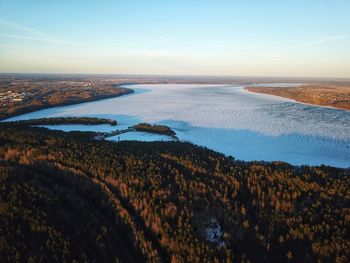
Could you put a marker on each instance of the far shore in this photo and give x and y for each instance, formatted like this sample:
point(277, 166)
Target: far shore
point(335, 97)
point(67, 101)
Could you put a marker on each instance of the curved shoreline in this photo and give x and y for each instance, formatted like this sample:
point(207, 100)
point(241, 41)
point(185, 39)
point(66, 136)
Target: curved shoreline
point(253, 90)
point(123, 91)
point(297, 146)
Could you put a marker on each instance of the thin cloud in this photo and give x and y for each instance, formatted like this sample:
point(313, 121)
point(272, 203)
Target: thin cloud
point(36, 35)
point(277, 55)
point(49, 40)
point(25, 29)
point(320, 41)
point(57, 41)
point(32, 38)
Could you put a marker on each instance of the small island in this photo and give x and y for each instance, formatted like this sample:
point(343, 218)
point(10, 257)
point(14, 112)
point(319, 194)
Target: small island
point(336, 96)
point(141, 127)
point(66, 120)
point(158, 129)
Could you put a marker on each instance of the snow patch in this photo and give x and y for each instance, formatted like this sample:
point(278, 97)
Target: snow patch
point(214, 233)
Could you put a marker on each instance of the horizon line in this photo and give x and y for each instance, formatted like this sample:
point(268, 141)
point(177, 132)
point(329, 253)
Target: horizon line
point(174, 75)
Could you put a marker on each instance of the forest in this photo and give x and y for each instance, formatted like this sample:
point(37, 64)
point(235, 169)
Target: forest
point(68, 197)
point(65, 120)
point(158, 129)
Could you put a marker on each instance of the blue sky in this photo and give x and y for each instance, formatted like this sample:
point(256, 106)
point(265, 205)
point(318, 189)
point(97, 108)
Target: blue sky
point(193, 37)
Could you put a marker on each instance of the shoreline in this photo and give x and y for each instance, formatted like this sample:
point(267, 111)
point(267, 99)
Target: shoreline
point(128, 91)
point(294, 100)
point(221, 140)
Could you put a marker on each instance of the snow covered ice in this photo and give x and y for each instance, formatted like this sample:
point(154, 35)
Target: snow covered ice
point(224, 118)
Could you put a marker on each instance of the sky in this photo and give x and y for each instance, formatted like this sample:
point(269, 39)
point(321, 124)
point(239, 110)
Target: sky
point(302, 38)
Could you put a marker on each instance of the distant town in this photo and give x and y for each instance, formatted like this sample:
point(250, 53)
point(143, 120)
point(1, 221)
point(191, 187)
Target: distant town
point(22, 94)
point(9, 96)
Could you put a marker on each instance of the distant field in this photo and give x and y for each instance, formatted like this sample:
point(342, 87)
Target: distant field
point(323, 95)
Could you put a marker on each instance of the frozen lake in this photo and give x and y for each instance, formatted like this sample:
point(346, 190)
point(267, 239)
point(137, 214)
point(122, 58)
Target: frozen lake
point(227, 119)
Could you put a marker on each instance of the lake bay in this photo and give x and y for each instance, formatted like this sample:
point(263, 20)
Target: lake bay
point(227, 119)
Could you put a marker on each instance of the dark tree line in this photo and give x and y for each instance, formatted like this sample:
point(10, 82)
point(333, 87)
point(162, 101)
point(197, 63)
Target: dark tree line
point(159, 129)
point(65, 120)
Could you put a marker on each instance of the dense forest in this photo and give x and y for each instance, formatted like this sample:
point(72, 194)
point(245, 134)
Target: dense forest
point(66, 196)
point(158, 129)
point(65, 120)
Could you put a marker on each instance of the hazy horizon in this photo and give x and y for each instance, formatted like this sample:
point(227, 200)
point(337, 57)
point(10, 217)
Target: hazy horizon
point(271, 78)
point(183, 38)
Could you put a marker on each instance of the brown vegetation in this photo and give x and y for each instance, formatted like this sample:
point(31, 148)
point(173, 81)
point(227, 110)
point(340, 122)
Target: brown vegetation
point(68, 197)
point(323, 95)
point(22, 96)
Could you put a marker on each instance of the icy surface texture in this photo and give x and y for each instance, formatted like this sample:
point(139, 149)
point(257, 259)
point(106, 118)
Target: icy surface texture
point(227, 119)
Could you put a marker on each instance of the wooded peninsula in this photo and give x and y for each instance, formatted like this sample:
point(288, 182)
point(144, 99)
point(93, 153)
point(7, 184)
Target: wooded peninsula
point(65, 120)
